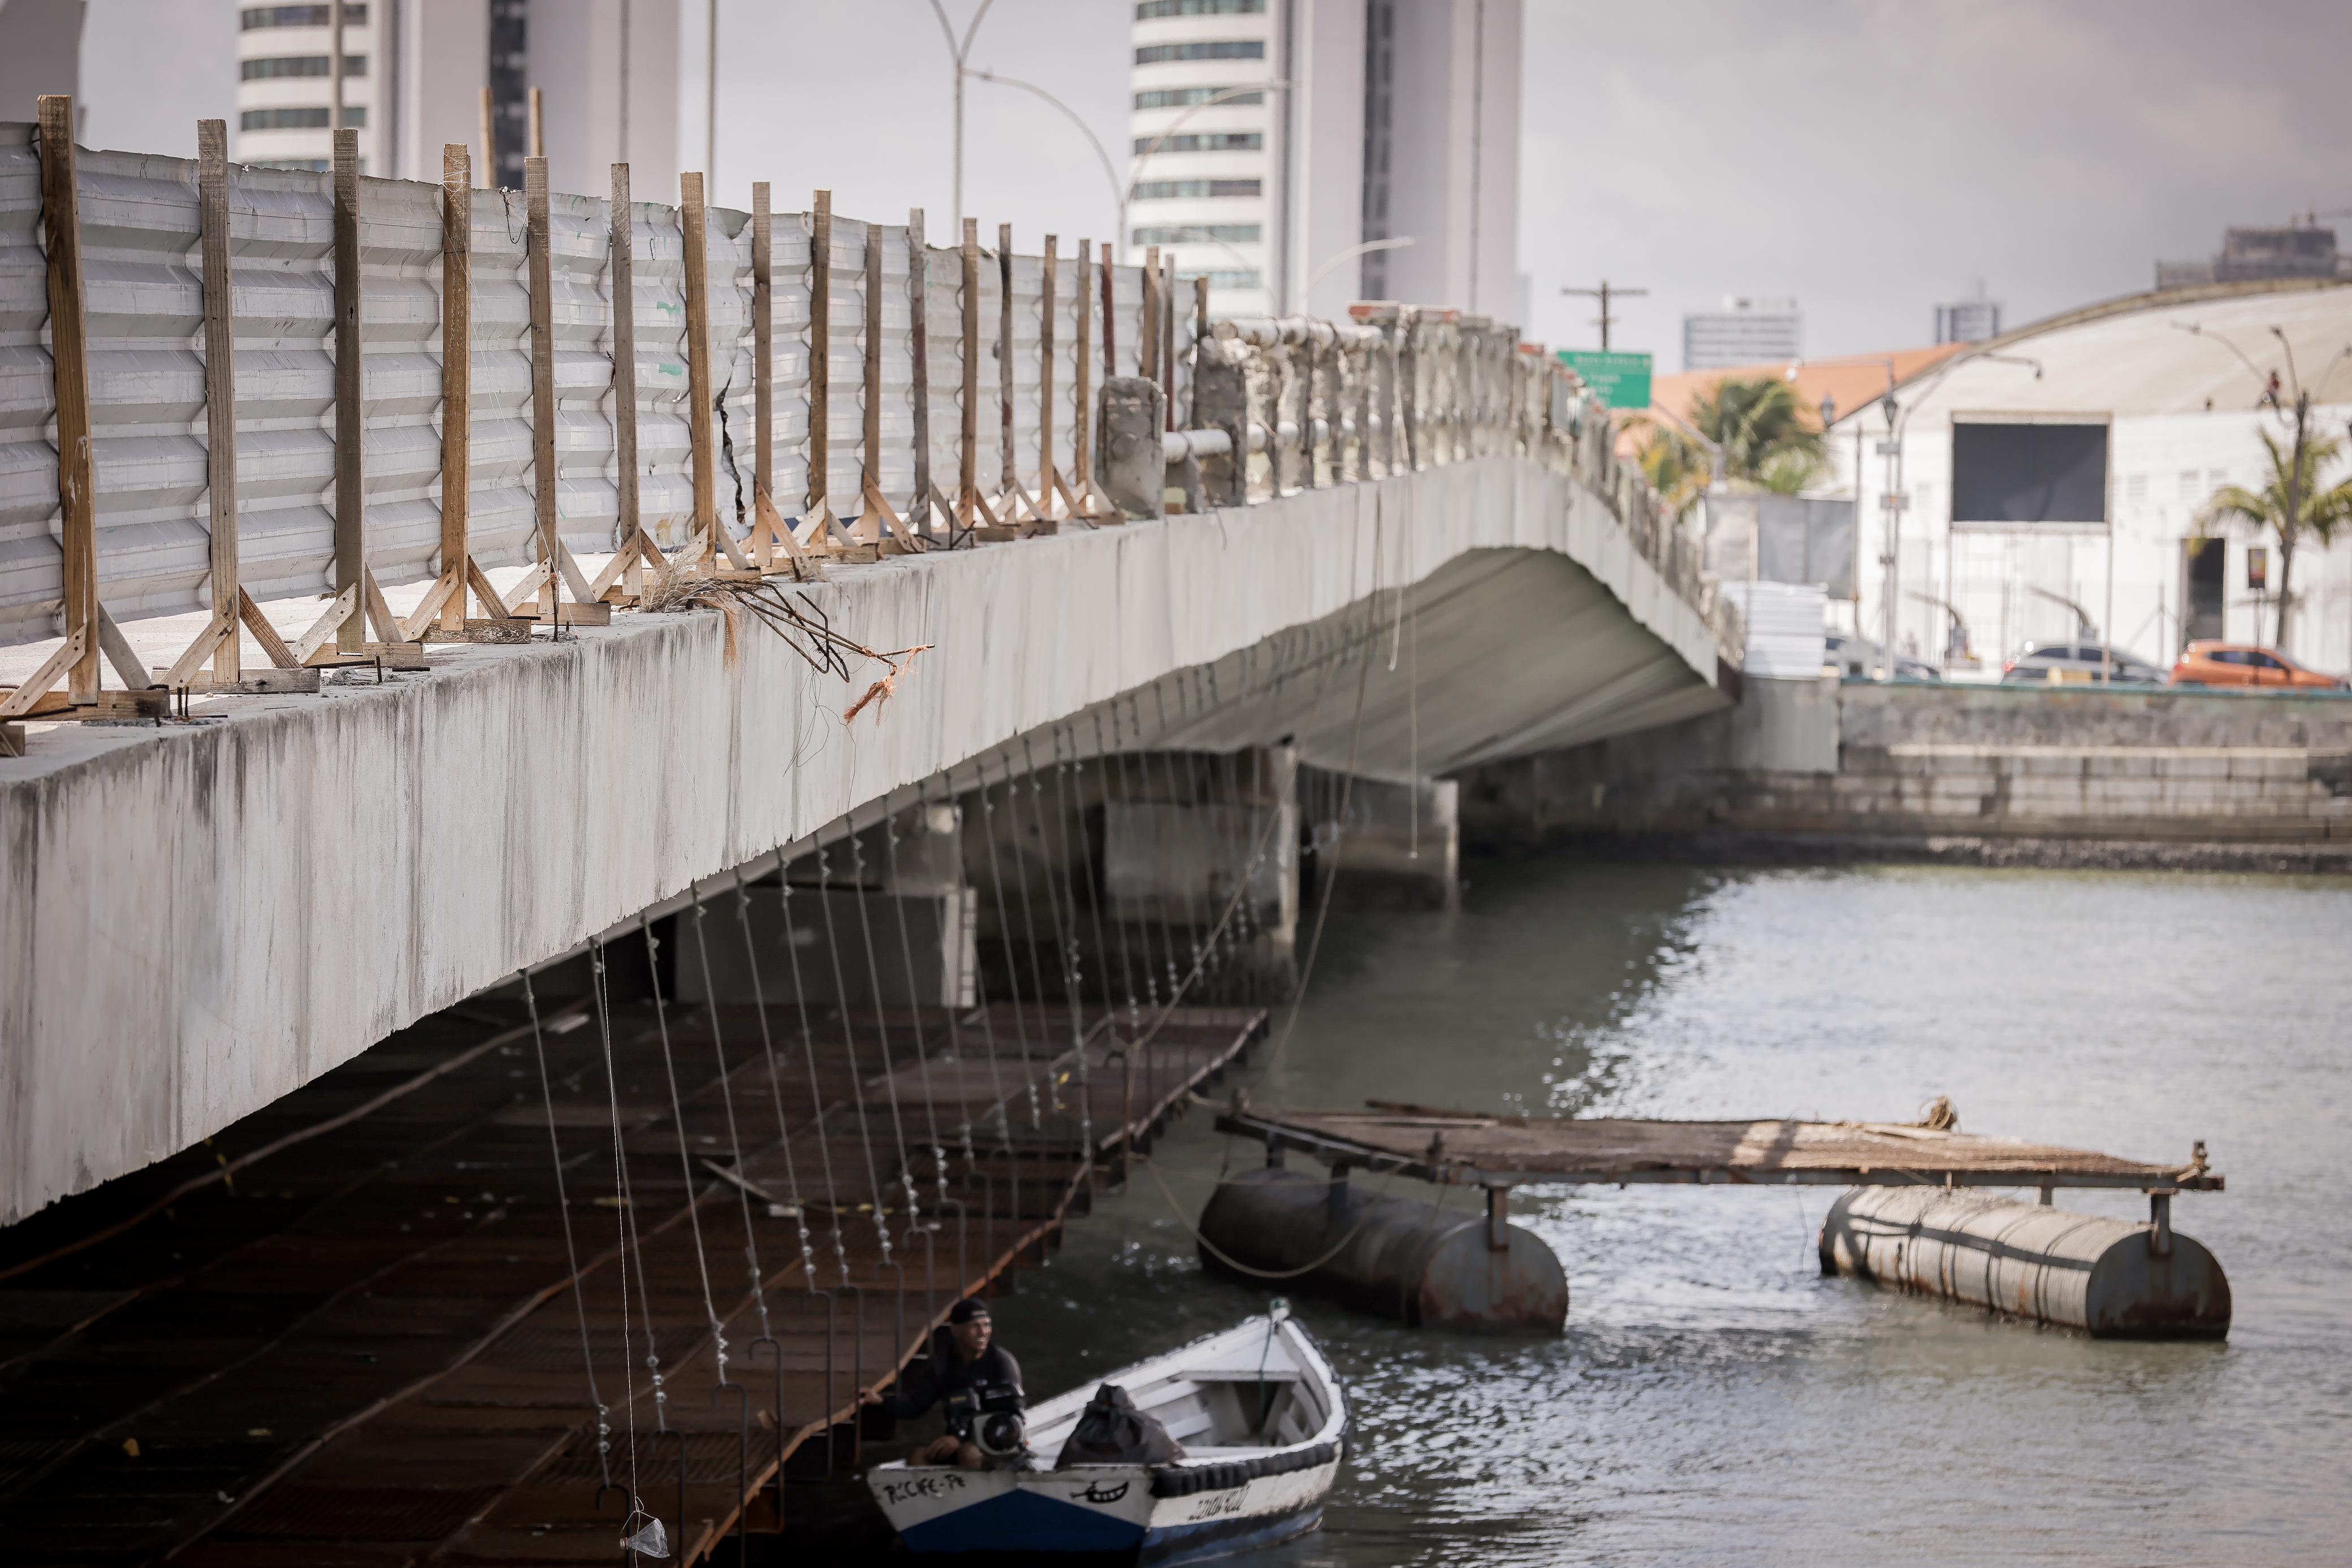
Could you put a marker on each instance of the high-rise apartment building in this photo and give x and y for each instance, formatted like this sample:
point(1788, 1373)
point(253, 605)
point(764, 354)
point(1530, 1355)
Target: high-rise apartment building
point(1750, 330)
point(415, 72)
point(1273, 138)
point(1975, 319)
point(287, 84)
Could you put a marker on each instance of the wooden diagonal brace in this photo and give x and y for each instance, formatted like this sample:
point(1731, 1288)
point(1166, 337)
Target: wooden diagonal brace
point(379, 611)
point(726, 541)
point(879, 504)
point(307, 645)
point(273, 646)
point(117, 646)
point(573, 578)
point(494, 608)
point(53, 669)
point(524, 591)
point(200, 652)
point(803, 564)
point(429, 606)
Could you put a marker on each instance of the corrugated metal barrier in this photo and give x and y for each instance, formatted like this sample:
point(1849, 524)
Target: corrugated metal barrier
point(1324, 401)
point(144, 279)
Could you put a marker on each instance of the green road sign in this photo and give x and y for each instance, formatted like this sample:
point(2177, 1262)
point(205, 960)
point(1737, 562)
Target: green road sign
point(1622, 380)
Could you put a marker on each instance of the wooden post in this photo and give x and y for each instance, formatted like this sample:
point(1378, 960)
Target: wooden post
point(967, 478)
point(763, 340)
point(69, 360)
point(542, 378)
point(1082, 388)
point(1045, 378)
point(456, 377)
point(220, 386)
point(820, 375)
point(694, 222)
point(350, 417)
point(918, 294)
point(870, 453)
point(625, 351)
point(1147, 342)
point(1110, 316)
point(538, 129)
point(1007, 386)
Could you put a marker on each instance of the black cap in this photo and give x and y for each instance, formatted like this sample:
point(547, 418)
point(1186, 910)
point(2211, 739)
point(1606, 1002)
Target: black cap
point(971, 1307)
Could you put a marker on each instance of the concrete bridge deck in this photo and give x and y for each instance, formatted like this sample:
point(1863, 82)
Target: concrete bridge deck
point(201, 917)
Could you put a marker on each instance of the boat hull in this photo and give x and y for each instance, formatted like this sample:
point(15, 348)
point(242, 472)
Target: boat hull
point(1106, 1510)
point(1264, 1420)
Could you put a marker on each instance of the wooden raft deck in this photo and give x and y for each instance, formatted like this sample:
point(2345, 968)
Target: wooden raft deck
point(1467, 1148)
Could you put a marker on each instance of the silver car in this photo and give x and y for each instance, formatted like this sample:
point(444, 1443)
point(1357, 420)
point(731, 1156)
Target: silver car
point(2081, 662)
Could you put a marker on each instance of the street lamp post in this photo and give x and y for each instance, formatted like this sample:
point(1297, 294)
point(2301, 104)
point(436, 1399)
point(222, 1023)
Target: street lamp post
point(1102, 155)
point(960, 52)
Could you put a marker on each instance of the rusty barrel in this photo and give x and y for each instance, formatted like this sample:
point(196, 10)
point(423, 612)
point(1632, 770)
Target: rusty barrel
point(2115, 1279)
point(1427, 1266)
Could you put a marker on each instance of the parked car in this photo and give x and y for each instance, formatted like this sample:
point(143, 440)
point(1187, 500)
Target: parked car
point(2243, 664)
point(2079, 662)
point(1857, 658)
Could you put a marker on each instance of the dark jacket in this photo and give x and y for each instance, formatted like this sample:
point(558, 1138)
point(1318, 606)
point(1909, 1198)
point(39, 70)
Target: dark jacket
point(941, 1372)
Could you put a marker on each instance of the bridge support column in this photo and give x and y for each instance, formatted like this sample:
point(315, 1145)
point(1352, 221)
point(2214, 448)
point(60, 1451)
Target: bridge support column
point(1400, 845)
point(879, 924)
point(1200, 866)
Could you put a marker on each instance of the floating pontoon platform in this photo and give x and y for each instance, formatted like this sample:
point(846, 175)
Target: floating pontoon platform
point(1466, 1148)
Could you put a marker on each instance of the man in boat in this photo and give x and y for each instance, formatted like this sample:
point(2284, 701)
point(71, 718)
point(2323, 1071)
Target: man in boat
point(961, 1371)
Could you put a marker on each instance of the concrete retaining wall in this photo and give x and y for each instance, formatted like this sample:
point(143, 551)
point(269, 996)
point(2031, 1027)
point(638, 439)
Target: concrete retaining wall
point(1844, 765)
point(197, 918)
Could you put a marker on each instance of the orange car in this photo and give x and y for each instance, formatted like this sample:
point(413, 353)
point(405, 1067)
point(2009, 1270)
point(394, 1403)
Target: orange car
point(2242, 664)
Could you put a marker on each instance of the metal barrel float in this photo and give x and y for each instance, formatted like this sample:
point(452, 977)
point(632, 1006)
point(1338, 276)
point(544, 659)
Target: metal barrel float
point(2111, 1278)
point(1416, 1263)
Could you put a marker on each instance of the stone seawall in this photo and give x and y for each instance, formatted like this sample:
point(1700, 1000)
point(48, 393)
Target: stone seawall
point(1996, 775)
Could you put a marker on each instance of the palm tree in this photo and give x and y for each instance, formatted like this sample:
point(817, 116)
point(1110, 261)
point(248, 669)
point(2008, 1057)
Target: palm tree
point(2288, 506)
point(1677, 470)
point(1763, 431)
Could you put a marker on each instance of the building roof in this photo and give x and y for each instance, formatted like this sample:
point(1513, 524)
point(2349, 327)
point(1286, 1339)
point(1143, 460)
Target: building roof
point(1850, 380)
point(2136, 356)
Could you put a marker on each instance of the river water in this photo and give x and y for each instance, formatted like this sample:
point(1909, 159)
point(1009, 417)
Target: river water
point(1714, 1400)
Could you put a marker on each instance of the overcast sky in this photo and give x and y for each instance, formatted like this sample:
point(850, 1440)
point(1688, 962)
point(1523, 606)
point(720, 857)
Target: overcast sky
point(1866, 156)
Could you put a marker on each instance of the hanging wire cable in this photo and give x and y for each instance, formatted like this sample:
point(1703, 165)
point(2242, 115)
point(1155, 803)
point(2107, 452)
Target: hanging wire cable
point(571, 1249)
point(1102, 784)
point(849, 1050)
point(1083, 872)
point(1366, 654)
point(775, 1089)
point(949, 922)
point(684, 1155)
point(734, 1134)
point(882, 1024)
point(816, 1090)
point(623, 1221)
point(1004, 930)
point(1086, 871)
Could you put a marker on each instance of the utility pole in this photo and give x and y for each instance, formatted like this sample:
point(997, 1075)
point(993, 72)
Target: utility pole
point(1605, 293)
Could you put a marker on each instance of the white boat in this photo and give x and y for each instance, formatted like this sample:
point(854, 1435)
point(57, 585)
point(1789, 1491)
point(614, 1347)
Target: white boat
point(1261, 1418)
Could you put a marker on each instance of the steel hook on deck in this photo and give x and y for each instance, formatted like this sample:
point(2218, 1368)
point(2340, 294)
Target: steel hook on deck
point(742, 1443)
point(777, 1408)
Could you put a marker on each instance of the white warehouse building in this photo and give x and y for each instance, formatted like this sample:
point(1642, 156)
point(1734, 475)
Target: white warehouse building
point(2178, 377)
